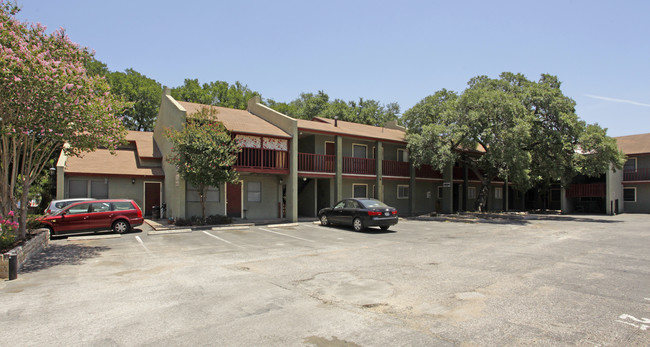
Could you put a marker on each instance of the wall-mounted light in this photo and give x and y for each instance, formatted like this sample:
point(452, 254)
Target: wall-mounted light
point(281, 181)
point(304, 179)
point(133, 181)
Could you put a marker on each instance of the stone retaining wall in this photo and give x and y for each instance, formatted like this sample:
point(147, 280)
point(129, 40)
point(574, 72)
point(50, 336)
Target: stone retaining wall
point(24, 252)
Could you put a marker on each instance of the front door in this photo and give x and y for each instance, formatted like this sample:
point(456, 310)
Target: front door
point(151, 196)
point(233, 199)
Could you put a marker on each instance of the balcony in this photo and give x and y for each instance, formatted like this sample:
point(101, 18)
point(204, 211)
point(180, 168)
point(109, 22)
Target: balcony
point(316, 162)
point(395, 168)
point(637, 175)
point(262, 160)
point(358, 166)
point(426, 171)
point(593, 190)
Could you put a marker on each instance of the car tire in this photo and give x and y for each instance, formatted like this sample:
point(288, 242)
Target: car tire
point(121, 226)
point(324, 221)
point(49, 228)
point(384, 227)
point(357, 224)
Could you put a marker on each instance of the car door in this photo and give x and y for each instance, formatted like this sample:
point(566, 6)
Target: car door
point(100, 217)
point(74, 219)
point(335, 215)
point(349, 211)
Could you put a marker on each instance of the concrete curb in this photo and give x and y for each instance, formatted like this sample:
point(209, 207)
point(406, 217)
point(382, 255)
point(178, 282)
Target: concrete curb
point(282, 225)
point(93, 237)
point(243, 227)
point(169, 231)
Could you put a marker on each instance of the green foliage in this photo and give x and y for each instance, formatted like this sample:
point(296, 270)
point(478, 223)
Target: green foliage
point(528, 133)
point(47, 98)
point(143, 95)
point(209, 220)
point(218, 93)
point(203, 152)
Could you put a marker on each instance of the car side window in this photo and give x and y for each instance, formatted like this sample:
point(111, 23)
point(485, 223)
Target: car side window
point(122, 206)
point(341, 204)
point(78, 209)
point(351, 204)
point(101, 206)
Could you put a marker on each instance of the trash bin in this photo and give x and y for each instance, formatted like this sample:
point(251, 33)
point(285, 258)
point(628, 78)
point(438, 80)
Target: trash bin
point(155, 212)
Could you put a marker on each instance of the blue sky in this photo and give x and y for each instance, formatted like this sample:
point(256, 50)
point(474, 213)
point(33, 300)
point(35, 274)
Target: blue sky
point(391, 51)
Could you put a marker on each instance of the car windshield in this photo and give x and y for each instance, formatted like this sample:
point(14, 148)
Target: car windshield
point(369, 203)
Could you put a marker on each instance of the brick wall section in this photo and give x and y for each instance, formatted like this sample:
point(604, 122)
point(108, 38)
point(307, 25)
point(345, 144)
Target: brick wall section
point(31, 247)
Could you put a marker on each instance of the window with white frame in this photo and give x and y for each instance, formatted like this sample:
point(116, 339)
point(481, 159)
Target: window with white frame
point(498, 193)
point(192, 194)
point(254, 191)
point(359, 151)
point(78, 189)
point(440, 192)
point(402, 155)
point(471, 192)
point(402, 191)
point(360, 190)
point(630, 165)
point(629, 194)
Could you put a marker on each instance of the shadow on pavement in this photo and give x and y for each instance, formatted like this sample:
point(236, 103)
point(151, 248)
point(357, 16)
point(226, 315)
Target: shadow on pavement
point(54, 255)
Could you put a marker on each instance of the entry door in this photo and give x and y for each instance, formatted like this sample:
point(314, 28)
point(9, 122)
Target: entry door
point(233, 199)
point(330, 149)
point(151, 196)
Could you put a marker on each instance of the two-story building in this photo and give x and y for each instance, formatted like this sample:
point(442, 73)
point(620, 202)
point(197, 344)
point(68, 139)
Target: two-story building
point(636, 172)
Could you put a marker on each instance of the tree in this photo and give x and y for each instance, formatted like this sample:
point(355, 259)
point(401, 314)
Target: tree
point(46, 99)
point(218, 93)
point(203, 152)
point(143, 95)
point(512, 128)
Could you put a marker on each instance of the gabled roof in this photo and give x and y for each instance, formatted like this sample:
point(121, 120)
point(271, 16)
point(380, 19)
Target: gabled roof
point(102, 163)
point(144, 143)
point(238, 121)
point(326, 125)
point(634, 144)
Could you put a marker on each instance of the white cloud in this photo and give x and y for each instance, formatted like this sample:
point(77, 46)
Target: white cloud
point(617, 100)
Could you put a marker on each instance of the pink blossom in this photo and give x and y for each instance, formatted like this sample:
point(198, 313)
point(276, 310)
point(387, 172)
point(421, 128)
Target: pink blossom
point(11, 213)
point(17, 79)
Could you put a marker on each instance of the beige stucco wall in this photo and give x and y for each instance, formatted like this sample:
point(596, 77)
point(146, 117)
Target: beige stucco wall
point(614, 191)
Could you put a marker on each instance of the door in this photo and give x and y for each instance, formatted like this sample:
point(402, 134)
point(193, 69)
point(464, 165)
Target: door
point(330, 149)
point(336, 216)
point(100, 216)
point(233, 199)
point(151, 196)
point(75, 218)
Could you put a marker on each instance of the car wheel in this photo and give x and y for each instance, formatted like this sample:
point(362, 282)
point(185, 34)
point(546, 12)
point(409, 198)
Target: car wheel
point(357, 224)
point(384, 227)
point(324, 221)
point(121, 226)
point(49, 228)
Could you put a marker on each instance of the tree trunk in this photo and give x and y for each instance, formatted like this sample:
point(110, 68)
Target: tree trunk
point(202, 193)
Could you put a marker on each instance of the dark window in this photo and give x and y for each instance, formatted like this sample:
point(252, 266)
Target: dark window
point(98, 190)
point(123, 206)
point(78, 209)
point(101, 206)
point(78, 189)
point(360, 191)
point(630, 165)
point(629, 194)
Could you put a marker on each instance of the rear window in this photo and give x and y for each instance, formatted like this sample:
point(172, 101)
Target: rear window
point(123, 206)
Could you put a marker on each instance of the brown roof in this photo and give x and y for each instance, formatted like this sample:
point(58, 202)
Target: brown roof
point(239, 121)
point(634, 144)
point(102, 162)
point(145, 144)
point(326, 125)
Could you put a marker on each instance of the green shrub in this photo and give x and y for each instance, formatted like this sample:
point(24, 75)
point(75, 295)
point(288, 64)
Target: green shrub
point(218, 219)
point(182, 222)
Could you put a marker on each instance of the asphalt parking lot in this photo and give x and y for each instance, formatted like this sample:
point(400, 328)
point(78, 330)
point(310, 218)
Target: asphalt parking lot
point(580, 280)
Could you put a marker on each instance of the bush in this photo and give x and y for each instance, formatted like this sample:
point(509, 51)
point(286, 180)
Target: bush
point(7, 232)
point(210, 220)
point(32, 223)
point(218, 219)
point(182, 222)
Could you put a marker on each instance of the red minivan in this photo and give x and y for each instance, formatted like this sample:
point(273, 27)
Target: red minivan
point(117, 214)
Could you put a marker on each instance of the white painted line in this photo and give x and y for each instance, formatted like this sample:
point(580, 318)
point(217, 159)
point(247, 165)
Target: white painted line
point(220, 239)
point(169, 231)
point(293, 237)
point(646, 299)
point(245, 227)
point(282, 225)
point(94, 237)
point(143, 245)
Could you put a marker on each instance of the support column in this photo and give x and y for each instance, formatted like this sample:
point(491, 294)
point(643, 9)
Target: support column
point(412, 189)
point(338, 179)
point(379, 158)
point(292, 180)
point(447, 186)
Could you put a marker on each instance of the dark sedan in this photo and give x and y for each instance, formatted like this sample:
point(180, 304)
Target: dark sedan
point(360, 214)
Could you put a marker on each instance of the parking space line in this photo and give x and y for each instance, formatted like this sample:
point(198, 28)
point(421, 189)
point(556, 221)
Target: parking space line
point(294, 237)
point(220, 239)
point(143, 245)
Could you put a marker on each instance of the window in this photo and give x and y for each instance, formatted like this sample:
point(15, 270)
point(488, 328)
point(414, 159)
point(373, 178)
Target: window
point(440, 192)
point(471, 192)
point(498, 193)
point(254, 191)
point(341, 204)
point(360, 190)
point(629, 194)
point(78, 209)
point(630, 165)
point(99, 189)
point(78, 189)
point(192, 195)
point(402, 191)
point(402, 155)
point(101, 207)
point(351, 204)
point(359, 151)
point(123, 206)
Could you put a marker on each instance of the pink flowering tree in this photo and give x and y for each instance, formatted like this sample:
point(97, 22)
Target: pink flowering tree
point(203, 152)
point(46, 100)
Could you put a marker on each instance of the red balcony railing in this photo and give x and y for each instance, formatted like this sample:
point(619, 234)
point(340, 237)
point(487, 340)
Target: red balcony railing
point(593, 190)
point(426, 171)
point(256, 158)
point(395, 168)
point(638, 175)
point(360, 166)
point(316, 162)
